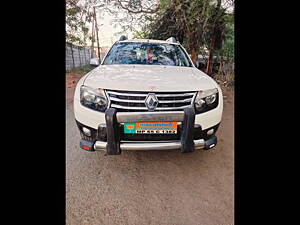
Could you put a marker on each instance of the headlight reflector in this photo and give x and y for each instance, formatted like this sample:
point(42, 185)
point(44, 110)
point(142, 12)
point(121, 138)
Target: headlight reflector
point(93, 98)
point(199, 103)
point(206, 100)
point(210, 99)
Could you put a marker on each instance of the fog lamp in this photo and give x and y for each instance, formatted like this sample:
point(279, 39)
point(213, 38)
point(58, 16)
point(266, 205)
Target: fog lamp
point(86, 131)
point(210, 132)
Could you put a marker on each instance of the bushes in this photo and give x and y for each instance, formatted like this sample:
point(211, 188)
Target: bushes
point(226, 80)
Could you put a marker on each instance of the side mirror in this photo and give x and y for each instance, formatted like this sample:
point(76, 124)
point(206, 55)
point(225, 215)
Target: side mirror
point(95, 62)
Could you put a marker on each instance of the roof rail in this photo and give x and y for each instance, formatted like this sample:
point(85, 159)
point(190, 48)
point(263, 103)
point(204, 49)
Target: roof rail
point(122, 38)
point(171, 39)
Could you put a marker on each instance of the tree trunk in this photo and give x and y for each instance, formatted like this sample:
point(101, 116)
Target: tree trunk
point(210, 58)
point(194, 55)
point(209, 63)
point(220, 71)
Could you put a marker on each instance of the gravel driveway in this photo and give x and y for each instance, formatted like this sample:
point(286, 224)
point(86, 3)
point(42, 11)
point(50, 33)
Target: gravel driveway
point(151, 187)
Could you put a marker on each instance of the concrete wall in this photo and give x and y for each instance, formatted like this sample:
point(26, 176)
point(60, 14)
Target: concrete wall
point(77, 56)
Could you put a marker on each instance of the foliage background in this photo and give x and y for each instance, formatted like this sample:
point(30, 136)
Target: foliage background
point(204, 27)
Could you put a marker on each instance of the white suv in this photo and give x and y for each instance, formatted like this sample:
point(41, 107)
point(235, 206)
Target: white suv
point(147, 95)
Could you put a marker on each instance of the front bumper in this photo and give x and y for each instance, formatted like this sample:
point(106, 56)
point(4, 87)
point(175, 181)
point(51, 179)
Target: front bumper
point(113, 143)
point(170, 145)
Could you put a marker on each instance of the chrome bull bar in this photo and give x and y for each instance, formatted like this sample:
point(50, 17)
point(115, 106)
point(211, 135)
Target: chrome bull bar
point(114, 145)
point(146, 146)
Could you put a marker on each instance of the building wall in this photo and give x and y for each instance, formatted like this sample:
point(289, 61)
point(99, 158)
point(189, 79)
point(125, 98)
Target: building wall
point(77, 56)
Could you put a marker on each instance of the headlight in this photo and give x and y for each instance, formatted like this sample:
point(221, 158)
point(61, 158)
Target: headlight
point(93, 98)
point(206, 100)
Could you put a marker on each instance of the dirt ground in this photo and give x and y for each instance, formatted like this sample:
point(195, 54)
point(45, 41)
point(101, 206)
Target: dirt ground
point(151, 187)
point(72, 79)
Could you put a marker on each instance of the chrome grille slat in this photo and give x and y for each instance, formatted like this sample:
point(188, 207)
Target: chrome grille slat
point(145, 108)
point(126, 100)
point(135, 101)
point(128, 107)
point(175, 101)
point(172, 108)
point(145, 95)
point(126, 94)
point(174, 95)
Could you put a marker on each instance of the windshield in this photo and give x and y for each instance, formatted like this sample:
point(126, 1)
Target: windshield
point(147, 54)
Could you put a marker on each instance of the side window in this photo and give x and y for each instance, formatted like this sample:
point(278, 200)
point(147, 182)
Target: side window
point(183, 60)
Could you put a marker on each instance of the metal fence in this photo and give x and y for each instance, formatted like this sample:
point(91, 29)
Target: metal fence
point(77, 56)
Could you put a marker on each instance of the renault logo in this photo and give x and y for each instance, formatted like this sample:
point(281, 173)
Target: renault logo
point(151, 101)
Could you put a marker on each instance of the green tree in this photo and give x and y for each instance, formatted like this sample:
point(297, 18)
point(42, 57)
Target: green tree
point(78, 16)
point(200, 25)
point(228, 48)
point(192, 22)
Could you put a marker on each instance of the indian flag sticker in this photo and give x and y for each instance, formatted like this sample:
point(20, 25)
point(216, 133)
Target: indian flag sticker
point(129, 128)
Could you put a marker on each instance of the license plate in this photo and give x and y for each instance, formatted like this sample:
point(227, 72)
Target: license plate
point(151, 128)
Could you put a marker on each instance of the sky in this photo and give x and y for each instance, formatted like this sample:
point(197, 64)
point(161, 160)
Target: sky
point(107, 31)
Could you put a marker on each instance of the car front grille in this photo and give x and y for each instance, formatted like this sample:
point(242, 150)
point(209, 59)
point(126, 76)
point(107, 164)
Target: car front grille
point(125, 101)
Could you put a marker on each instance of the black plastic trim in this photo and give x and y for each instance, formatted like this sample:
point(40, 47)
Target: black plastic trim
point(211, 141)
point(113, 132)
point(204, 132)
point(93, 136)
point(187, 132)
point(102, 133)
